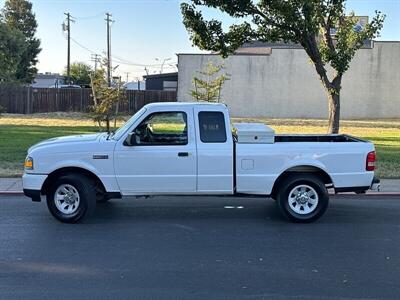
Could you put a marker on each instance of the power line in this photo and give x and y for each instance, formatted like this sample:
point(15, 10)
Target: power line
point(127, 62)
point(89, 17)
point(118, 59)
point(95, 56)
point(123, 61)
point(82, 46)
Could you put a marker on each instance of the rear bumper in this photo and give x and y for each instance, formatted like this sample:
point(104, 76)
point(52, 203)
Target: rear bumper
point(375, 186)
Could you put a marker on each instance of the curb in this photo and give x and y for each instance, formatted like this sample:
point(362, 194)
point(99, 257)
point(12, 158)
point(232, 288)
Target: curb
point(16, 193)
point(373, 194)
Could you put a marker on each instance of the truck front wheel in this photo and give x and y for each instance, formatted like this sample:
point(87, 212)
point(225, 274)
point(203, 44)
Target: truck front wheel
point(71, 198)
point(302, 198)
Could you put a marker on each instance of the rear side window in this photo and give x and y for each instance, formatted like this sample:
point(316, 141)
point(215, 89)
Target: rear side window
point(212, 127)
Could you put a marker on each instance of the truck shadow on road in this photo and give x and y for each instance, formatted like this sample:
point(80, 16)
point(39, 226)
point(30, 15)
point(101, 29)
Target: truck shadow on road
point(185, 208)
point(342, 210)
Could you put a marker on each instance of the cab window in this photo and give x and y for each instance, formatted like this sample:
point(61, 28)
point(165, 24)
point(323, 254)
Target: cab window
point(163, 128)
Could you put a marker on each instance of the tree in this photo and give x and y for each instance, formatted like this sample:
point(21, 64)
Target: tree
point(12, 46)
point(18, 15)
point(306, 22)
point(106, 99)
point(209, 88)
point(80, 73)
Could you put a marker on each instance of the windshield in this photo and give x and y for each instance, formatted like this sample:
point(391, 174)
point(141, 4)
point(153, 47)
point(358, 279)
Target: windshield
point(120, 132)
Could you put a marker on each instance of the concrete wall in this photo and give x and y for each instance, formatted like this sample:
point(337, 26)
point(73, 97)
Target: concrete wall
point(285, 84)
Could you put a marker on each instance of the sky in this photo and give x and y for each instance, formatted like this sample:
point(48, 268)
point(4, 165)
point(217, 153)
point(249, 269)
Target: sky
point(145, 32)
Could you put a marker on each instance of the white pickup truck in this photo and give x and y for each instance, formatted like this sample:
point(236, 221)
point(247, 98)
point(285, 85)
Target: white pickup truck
point(189, 149)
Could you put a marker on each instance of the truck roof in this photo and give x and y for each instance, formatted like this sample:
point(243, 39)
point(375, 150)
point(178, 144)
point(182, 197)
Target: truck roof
point(205, 104)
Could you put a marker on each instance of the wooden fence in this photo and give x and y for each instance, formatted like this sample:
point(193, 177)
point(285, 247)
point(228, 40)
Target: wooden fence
point(27, 100)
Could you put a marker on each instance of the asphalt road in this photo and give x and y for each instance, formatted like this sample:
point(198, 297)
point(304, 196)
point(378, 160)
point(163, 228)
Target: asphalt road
point(201, 248)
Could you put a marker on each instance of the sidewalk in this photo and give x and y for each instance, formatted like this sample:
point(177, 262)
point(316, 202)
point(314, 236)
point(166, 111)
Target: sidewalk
point(10, 186)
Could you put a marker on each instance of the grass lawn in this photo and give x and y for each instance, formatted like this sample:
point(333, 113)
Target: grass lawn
point(18, 133)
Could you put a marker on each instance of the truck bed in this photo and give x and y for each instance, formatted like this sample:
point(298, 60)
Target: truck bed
point(324, 138)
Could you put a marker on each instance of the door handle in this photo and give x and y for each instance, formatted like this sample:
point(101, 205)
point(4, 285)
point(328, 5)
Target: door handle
point(183, 154)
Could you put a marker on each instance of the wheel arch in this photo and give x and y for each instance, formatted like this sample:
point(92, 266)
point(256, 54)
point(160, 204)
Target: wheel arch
point(71, 170)
point(308, 169)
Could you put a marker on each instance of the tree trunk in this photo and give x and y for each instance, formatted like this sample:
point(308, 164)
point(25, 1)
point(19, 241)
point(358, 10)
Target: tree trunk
point(334, 104)
point(116, 113)
point(332, 88)
point(108, 123)
point(334, 111)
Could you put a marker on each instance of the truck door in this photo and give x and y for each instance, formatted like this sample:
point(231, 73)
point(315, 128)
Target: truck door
point(214, 151)
point(162, 158)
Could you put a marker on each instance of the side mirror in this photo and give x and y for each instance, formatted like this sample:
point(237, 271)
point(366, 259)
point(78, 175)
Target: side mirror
point(131, 139)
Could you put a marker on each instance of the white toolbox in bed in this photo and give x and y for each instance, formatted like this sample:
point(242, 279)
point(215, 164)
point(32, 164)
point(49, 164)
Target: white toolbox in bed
point(254, 133)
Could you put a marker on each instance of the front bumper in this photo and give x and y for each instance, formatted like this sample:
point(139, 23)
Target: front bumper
point(32, 185)
point(33, 194)
point(33, 181)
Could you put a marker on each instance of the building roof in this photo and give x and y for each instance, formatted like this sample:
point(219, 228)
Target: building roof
point(48, 76)
point(277, 45)
point(261, 48)
point(161, 75)
point(254, 51)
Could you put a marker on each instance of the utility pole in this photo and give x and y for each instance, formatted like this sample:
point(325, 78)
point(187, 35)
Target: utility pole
point(68, 29)
point(109, 20)
point(95, 59)
point(127, 76)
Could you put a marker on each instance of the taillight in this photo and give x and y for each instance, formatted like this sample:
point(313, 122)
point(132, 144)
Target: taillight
point(371, 158)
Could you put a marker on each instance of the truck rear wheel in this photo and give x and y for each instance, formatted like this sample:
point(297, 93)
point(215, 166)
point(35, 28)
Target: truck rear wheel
point(101, 197)
point(71, 198)
point(302, 198)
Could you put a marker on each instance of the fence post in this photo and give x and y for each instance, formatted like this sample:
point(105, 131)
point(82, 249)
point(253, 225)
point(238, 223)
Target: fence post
point(135, 94)
point(81, 99)
point(28, 101)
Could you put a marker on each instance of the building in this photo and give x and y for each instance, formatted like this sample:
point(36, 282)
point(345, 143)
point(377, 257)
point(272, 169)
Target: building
point(279, 81)
point(162, 82)
point(47, 80)
point(135, 85)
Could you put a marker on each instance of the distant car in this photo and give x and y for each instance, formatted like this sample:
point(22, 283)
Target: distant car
point(66, 86)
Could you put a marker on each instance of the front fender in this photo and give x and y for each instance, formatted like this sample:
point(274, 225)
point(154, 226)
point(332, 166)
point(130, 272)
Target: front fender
point(105, 174)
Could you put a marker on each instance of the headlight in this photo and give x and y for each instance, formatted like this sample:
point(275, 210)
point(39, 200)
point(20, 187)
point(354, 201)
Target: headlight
point(28, 165)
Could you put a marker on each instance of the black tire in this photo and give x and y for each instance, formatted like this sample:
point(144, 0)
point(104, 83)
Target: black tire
point(101, 195)
point(102, 198)
point(297, 180)
point(87, 198)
